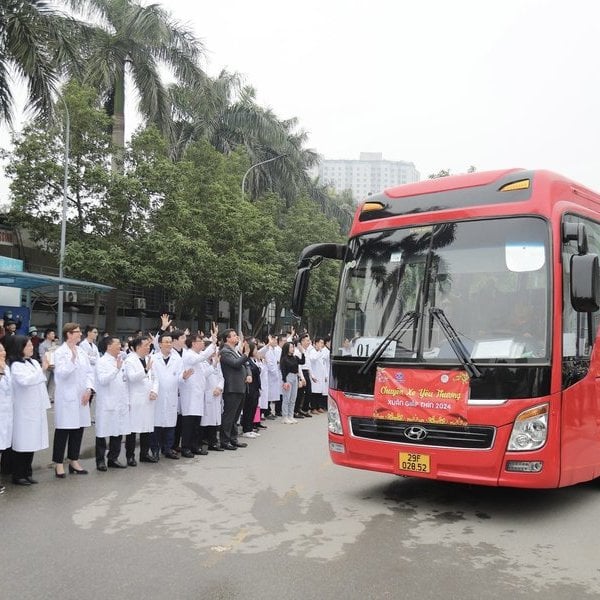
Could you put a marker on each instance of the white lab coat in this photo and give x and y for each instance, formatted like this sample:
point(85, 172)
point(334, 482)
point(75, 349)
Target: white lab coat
point(263, 399)
point(30, 421)
point(72, 379)
point(191, 391)
point(6, 410)
point(272, 357)
point(213, 405)
point(139, 385)
point(112, 398)
point(318, 371)
point(169, 377)
point(91, 350)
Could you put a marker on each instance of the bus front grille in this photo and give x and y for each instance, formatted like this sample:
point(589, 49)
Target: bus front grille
point(423, 434)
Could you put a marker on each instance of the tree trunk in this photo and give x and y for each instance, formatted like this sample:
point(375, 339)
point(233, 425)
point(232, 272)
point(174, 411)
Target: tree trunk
point(118, 150)
point(96, 308)
point(277, 324)
point(111, 312)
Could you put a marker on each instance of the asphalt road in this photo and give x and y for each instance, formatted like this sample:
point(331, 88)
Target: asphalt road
point(277, 520)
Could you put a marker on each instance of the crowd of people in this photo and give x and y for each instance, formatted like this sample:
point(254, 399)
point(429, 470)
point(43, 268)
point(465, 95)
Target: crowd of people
point(178, 394)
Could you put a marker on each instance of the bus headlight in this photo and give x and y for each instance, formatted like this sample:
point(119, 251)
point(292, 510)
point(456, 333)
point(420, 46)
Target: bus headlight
point(334, 422)
point(530, 429)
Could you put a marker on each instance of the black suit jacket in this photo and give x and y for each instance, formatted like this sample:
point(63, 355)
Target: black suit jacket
point(235, 369)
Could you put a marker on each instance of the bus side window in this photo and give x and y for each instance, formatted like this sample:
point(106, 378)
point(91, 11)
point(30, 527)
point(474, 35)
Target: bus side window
point(575, 325)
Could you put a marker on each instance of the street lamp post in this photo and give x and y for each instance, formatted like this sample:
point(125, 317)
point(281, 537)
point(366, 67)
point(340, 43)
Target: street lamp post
point(63, 225)
point(258, 164)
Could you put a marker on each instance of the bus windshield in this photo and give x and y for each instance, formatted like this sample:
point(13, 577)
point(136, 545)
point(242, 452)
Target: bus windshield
point(488, 279)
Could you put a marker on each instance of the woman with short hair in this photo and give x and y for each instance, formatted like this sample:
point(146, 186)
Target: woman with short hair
point(6, 408)
point(30, 403)
point(74, 388)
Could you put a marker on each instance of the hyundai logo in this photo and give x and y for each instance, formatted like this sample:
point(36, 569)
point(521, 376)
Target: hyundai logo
point(415, 433)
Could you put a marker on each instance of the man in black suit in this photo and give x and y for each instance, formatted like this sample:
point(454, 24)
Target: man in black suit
point(236, 374)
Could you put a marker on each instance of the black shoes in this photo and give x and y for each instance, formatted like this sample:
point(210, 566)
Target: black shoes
point(200, 451)
point(149, 458)
point(172, 454)
point(240, 444)
point(101, 466)
point(298, 416)
point(215, 448)
point(59, 475)
point(229, 447)
point(21, 481)
point(74, 471)
point(31, 479)
point(306, 414)
point(260, 426)
point(115, 464)
point(131, 462)
point(186, 453)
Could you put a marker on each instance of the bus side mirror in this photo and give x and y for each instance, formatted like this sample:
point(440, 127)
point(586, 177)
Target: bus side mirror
point(299, 291)
point(585, 282)
point(310, 258)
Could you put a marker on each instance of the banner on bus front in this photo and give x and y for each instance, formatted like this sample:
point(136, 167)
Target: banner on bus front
point(421, 396)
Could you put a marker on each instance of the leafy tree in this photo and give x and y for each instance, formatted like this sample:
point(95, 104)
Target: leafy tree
point(36, 42)
point(225, 113)
point(130, 38)
point(303, 224)
point(106, 213)
point(237, 234)
point(37, 171)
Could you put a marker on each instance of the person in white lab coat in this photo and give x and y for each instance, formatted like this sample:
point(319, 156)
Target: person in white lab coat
point(112, 406)
point(168, 368)
point(6, 409)
point(30, 403)
point(88, 344)
point(213, 405)
point(74, 379)
point(142, 385)
point(319, 373)
point(195, 357)
point(272, 358)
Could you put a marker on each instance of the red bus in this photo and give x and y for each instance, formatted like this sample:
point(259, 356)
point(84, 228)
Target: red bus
point(465, 335)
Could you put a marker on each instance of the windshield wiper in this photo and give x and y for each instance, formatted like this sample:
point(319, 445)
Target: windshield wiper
point(405, 321)
point(455, 342)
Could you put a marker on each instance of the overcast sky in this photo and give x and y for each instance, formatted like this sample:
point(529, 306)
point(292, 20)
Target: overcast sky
point(441, 83)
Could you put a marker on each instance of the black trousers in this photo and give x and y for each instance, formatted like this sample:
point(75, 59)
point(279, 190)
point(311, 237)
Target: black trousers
point(190, 432)
point(208, 434)
point(248, 411)
point(114, 448)
point(145, 439)
point(177, 433)
point(162, 439)
point(62, 437)
point(21, 464)
point(304, 394)
point(232, 408)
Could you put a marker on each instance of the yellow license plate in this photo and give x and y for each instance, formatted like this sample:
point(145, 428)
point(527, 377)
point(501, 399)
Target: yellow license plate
point(416, 463)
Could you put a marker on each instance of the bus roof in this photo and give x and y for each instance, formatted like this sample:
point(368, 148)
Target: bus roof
point(452, 182)
point(476, 191)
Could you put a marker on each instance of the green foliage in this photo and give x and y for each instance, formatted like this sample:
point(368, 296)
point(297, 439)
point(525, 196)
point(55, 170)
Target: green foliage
point(134, 214)
point(36, 43)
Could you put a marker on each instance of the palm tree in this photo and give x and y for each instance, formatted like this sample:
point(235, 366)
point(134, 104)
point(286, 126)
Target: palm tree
point(225, 113)
point(36, 42)
point(134, 40)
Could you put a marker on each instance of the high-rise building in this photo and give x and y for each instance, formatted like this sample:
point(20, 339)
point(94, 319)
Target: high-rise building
point(368, 175)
